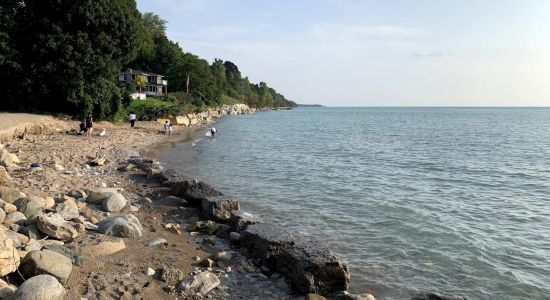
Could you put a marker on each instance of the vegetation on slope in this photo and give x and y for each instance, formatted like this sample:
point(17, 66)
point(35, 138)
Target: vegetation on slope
point(63, 56)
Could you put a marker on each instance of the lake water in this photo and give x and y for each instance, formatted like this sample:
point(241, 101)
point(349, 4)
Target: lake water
point(454, 200)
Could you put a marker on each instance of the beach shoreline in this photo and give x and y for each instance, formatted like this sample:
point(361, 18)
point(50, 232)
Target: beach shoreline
point(55, 164)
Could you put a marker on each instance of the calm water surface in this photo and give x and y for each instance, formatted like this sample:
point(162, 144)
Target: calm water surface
point(453, 200)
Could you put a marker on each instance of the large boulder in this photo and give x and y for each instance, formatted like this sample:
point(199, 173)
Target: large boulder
point(199, 285)
point(41, 287)
point(114, 203)
point(126, 226)
point(32, 207)
point(219, 207)
point(55, 226)
point(313, 268)
point(310, 266)
point(67, 211)
point(196, 192)
point(9, 258)
point(46, 262)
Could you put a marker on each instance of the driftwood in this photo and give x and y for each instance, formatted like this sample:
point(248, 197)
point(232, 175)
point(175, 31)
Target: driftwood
point(99, 159)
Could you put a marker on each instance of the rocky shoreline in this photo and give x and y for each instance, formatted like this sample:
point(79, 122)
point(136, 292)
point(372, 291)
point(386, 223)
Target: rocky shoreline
point(82, 221)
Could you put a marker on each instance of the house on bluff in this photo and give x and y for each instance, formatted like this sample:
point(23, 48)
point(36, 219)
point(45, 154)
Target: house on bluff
point(151, 84)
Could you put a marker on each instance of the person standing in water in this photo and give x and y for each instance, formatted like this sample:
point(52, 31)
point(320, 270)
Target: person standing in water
point(166, 127)
point(89, 126)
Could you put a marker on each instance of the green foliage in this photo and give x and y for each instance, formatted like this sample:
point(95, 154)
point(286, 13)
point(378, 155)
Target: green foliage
point(63, 56)
point(70, 52)
point(154, 24)
point(226, 100)
point(151, 109)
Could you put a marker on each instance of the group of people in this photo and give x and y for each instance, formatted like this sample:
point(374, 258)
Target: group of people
point(87, 126)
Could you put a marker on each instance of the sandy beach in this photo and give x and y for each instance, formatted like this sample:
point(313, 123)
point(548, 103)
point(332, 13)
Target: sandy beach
point(52, 165)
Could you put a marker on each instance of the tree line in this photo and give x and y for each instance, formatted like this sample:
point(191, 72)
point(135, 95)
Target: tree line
point(63, 56)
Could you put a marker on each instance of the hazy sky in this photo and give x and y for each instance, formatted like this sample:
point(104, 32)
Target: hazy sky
point(375, 53)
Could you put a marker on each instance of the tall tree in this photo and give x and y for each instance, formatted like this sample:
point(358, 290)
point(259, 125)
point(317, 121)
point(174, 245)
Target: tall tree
point(71, 51)
point(154, 24)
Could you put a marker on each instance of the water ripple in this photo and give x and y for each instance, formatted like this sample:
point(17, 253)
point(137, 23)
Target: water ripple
point(414, 199)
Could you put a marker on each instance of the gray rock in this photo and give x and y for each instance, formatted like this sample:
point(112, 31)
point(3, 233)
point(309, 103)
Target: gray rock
point(17, 238)
point(46, 262)
point(310, 266)
point(157, 241)
point(16, 217)
point(234, 236)
point(127, 226)
point(32, 232)
point(55, 226)
point(41, 287)
point(219, 207)
point(240, 220)
point(96, 196)
point(32, 245)
point(114, 203)
point(168, 177)
point(194, 191)
point(76, 259)
point(7, 291)
point(30, 204)
point(201, 284)
point(67, 212)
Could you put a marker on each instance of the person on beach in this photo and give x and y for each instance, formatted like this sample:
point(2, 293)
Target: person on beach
point(83, 129)
point(89, 126)
point(166, 127)
point(213, 131)
point(132, 119)
point(169, 130)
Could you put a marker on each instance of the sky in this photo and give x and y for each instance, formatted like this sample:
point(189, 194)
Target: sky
point(375, 53)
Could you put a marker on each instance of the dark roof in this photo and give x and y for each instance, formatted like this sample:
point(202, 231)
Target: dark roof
point(141, 72)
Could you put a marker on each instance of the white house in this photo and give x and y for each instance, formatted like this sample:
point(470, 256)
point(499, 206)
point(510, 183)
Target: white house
point(155, 85)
